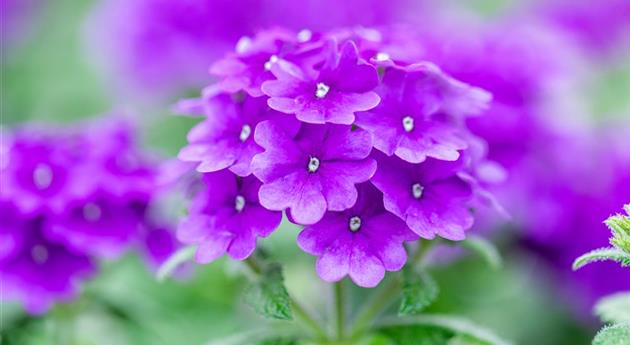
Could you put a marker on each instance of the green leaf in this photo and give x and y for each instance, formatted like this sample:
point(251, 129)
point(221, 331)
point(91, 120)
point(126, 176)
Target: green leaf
point(484, 248)
point(613, 335)
point(419, 290)
point(268, 296)
point(619, 225)
point(174, 261)
point(442, 328)
point(614, 308)
point(602, 254)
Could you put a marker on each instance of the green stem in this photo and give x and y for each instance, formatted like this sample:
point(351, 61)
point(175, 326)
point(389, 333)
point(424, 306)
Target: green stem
point(385, 296)
point(340, 315)
point(300, 312)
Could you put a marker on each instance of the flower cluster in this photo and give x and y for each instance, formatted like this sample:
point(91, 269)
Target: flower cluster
point(364, 147)
point(68, 198)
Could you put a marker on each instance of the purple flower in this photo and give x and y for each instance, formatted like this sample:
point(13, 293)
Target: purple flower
point(225, 139)
point(250, 66)
point(362, 242)
point(34, 270)
point(419, 113)
point(226, 217)
point(41, 172)
point(101, 226)
point(342, 87)
point(430, 197)
point(311, 170)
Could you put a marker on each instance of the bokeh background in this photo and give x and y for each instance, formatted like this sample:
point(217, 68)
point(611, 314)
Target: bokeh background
point(67, 60)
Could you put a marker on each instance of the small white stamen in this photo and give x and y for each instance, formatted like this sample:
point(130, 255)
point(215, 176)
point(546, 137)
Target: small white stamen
point(313, 164)
point(246, 131)
point(239, 203)
point(272, 60)
point(417, 190)
point(92, 212)
point(42, 176)
point(39, 253)
point(382, 56)
point(304, 36)
point(322, 90)
point(407, 123)
point(354, 224)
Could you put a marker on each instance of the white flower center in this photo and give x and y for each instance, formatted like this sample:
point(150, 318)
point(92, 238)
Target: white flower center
point(92, 212)
point(39, 253)
point(313, 164)
point(354, 224)
point(42, 176)
point(382, 56)
point(246, 131)
point(407, 123)
point(272, 60)
point(417, 190)
point(304, 36)
point(322, 90)
point(239, 203)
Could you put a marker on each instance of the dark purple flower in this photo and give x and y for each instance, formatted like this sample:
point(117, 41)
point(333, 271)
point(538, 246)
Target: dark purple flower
point(124, 170)
point(101, 226)
point(225, 139)
point(42, 172)
point(226, 217)
point(362, 242)
point(34, 270)
point(311, 170)
point(420, 112)
point(430, 197)
point(343, 86)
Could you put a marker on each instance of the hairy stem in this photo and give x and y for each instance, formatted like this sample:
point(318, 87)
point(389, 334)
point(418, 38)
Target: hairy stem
point(385, 296)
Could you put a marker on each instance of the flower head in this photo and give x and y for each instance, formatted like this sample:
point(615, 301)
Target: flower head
point(226, 217)
point(362, 242)
point(311, 170)
point(328, 95)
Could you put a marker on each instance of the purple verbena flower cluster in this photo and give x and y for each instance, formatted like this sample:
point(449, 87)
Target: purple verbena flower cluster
point(70, 197)
point(364, 146)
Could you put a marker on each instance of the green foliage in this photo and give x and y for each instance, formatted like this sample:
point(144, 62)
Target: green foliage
point(437, 330)
point(268, 295)
point(613, 335)
point(619, 225)
point(614, 308)
point(256, 337)
point(178, 258)
point(602, 254)
point(419, 290)
point(484, 248)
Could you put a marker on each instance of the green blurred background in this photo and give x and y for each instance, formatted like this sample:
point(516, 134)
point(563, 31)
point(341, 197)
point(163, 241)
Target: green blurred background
point(48, 77)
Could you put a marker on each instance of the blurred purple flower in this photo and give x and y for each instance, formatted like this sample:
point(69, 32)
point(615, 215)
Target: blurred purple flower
point(311, 170)
point(34, 270)
point(362, 242)
point(226, 217)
